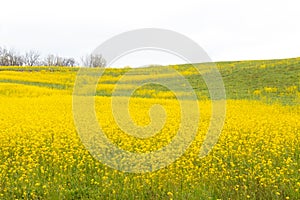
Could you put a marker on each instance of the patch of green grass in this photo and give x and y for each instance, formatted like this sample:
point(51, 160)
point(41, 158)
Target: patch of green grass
point(242, 79)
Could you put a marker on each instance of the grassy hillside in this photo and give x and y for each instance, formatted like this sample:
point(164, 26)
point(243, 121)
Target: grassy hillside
point(266, 80)
point(257, 156)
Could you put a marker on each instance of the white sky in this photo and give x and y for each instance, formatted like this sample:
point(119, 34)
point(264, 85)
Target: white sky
point(226, 29)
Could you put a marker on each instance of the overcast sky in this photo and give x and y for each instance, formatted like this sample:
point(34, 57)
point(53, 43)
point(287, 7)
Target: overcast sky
point(227, 30)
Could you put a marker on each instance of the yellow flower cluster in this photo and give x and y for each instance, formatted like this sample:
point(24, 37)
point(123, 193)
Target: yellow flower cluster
point(42, 156)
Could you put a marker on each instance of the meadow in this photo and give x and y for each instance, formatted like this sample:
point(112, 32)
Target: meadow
point(257, 155)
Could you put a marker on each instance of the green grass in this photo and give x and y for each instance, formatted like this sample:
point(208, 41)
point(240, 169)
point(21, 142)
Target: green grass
point(242, 79)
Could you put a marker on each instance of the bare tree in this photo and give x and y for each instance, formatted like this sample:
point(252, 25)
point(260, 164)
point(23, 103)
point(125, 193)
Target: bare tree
point(5, 57)
point(52, 60)
point(2, 57)
point(17, 60)
point(31, 58)
point(93, 60)
point(69, 62)
point(10, 58)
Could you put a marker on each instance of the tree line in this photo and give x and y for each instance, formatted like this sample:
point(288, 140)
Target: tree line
point(34, 58)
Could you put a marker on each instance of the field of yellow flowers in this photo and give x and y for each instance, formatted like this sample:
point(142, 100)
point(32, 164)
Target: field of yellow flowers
point(42, 157)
